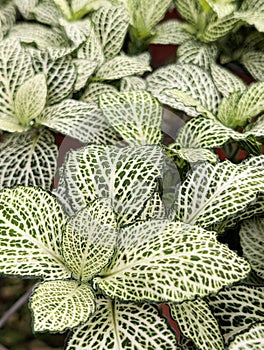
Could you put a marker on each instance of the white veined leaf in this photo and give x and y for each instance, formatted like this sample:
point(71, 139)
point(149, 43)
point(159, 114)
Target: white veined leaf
point(237, 307)
point(197, 53)
point(154, 209)
point(81, 7)
point(251, 240)
point(31, 224)
point(164, 261)
point(57, 306)
point(7, 17)
point(89, 240)
point(64, 7)
point(189, 10)
point(111, 25)
point(252, 12)
point(135, 115)
point(132, 84)
point(144, 58)
point(30, 99)
point(94, 90)
point(251, 338)
point(85, 68)
point(170, 32)
point(227, 111)
point(212, 193)
point(223, 8)
point(191, 80)
point(76, 31)
point(62, 195)
point(255, 129)
point(28, 159)
point(121, 66)
point(47, 12)
point(26, 7)
point(254, 63)
point(80, 120)
point(193, 155)
point(38, 34)
point(15, 69)
point(60, 74)
point(225, 81)
point(127, 176)
point(124, 327)
point(196, 321)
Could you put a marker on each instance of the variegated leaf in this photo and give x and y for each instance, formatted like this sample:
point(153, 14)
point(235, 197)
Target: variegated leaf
point(89, 240)
point(111, 25)
point(7, 17)
point(94, 90)
point(251, 239)
point(132, 84)
point(237, 307)
point(124, 327)
point(191, 80)
point(170, 32)
point(254, 63)
point(77, 31)
point(127, 176)
point(64, 8)
point(15, 69)
point(193, 155)
point(121, 66)
point(212, 193)
point(252, 11)
point(154, 209)
point(30, 99)
point(252, 338)
point(61, 305)
point(28, 159)
point(226, 82)
point(256, 129)
point(47, 12)
point(81, 7)
point(223, 8)
point(148, 254)
point(135, 115)
point(80, 120)
point(60, 74)
point(196, 321)
point(197, 53)
point(227, 111)
point(189, 10)
point(85, 68)
point(26, 7)
point(31, 223)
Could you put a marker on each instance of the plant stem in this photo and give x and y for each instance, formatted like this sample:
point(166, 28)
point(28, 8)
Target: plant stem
point(20, 302)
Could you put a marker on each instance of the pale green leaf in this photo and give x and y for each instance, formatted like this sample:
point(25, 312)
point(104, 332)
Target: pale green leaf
point(189, 10)
point(111, 25)
point(237, 307)
point(123, 327)
point(61, 194)
point(170, 32)
point(7, 17)
point(28, 159)
point(196, 321)
point(60, 74)
point(89, 240)
point(64, 7)
point(251, 240)
point(121, 66)
point(94, 90)
point(227, 111)
point(126, 176)
point(30, 99)
point(26, 7)
point(132, 84)
point(80, 120)
point(61, 305)
point(197, 53)
point(223, 7)
point(148, 255)
point(251, 338)
point(15, 69)
point(193, 155)
point(77, 31)
point(253, 16)
point(31, 223)
point(47, 12)
point(191, 80)
point(85, 68)
point(81, 7)
point(212, 193)
point(225, 81)
point(255, 129)
point(135, 115)
point(254, 63)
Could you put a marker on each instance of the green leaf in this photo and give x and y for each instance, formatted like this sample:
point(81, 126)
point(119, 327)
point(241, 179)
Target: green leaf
point(226, 82)
point(212, 193)
point(30, 99)
point(124, 327)
point(170, 32)
point(61, 305)
point(89, 240)
point(192, 80)
point(80, 120)
point(31, 223)
point(132, 84)
point(251, 338)
point(196, 321)
point(251, 240)
point(111, 25)
point(7, 17)
point(28, 159)
point(254, 63)
point(64, 7)
point(223, 7)
point(189, 10)
point(81, 7)
point(85, 68)
point(227, 111)
point(148, 254)
point(135, 115)
point(121, 66)
point(237, 307)
point(15, 69)
point(126, 176)
point(94, 90)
